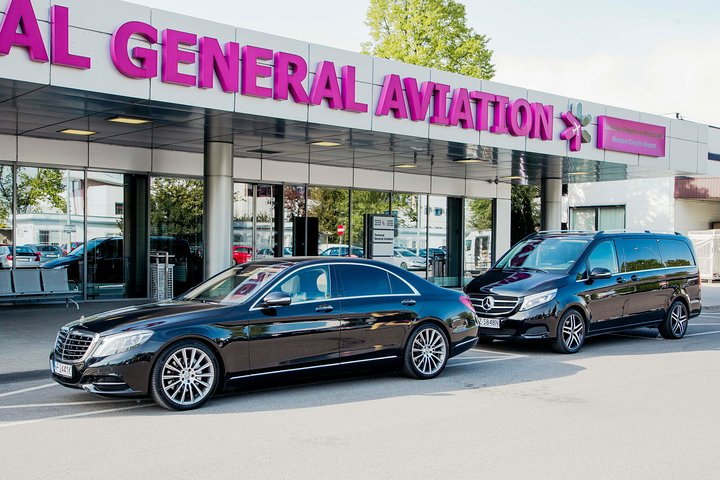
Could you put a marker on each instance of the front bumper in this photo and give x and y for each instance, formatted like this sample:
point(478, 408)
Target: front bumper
point(538, 323)
point(125, 374)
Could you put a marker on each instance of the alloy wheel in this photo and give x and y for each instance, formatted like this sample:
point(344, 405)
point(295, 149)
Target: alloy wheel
point(188, 376)
point(573, 331)
point(429, 351)
point(678, 320)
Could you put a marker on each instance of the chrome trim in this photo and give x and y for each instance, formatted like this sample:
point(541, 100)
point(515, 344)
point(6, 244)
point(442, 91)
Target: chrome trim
point(640, 271)
point(90, 348)
point(337, 364)
point(466, 341)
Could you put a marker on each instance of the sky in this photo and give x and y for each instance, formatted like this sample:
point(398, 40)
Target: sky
point(656, 56)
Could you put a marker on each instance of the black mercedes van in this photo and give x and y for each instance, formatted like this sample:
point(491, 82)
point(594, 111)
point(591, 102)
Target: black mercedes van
point(566, 286)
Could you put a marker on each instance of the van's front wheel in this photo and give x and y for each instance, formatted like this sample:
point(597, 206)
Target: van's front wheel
point(570, 332)
point(675, 324)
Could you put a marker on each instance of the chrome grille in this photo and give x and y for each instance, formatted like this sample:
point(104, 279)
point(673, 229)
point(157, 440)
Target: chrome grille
point(72, 345)
point(496, 305)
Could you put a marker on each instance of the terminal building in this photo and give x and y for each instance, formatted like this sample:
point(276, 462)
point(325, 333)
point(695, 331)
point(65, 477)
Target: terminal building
point(128, 132)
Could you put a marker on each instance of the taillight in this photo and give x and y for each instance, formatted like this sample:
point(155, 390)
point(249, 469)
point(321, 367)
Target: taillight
point(465, 300)
point(9, 257)
point(37, 256)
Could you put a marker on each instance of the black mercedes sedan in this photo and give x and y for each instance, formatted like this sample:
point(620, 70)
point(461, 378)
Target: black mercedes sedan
point(265, 318)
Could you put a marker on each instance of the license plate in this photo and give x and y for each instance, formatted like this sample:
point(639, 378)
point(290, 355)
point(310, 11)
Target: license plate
point(489, 322)
point(62, 369)
point(19, 259)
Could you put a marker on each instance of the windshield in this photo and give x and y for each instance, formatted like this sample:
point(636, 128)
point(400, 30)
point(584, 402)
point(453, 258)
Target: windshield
point(236, 285)
point(78, 252)
point(544, 254)
point(405, 253)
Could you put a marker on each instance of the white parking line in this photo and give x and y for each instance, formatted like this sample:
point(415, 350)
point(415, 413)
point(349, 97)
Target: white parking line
point(496, 352)
point(64, 404)
point(74, 415)
point(487, 360)
point(702, 333)
point(7, 394)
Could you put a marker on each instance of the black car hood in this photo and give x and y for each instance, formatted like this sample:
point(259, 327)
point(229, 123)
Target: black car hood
point(61, 262)
point(516, 283)
point(149, 316)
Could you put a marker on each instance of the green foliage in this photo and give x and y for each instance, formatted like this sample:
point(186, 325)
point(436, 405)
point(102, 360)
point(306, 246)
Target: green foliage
point(330, 205)
point(525, 217)
point(480, 214)
point(5, 196)
point(176, 207)
point(43, 189)
point(430, 33)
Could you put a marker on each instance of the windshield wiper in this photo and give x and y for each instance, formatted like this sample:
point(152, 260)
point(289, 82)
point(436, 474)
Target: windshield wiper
point(528, 269)
point(203, 300)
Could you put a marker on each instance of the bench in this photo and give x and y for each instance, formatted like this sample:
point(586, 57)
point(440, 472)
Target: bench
point(36, 284)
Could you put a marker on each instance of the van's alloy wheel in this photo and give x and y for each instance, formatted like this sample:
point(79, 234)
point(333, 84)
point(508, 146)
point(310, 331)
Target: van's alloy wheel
point(571, 332)
point(184, 377)
point(426, 352)
point(675, 324)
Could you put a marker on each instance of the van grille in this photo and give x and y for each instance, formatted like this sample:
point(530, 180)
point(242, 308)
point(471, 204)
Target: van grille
point(72, 345)
point(487, 304)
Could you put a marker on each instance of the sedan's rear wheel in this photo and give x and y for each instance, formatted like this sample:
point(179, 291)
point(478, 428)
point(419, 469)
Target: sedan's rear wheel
point(675, 324)
point(570, 332)
point(185, 376)
point(426, 352)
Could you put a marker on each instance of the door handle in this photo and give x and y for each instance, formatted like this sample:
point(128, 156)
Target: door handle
point(324, 308)
point(409, 302)
point(620, 280)
point(634, 278)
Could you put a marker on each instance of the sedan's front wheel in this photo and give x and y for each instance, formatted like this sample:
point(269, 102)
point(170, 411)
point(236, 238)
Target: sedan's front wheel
point(426, 352)
point(185, 376)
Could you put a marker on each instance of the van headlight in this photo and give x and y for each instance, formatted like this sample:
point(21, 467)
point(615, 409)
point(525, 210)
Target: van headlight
point(538, 299)
point(121, 342)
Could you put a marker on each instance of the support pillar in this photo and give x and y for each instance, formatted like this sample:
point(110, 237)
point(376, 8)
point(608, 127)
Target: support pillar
point(502, 213)
point(218, 207)
point(551, 204)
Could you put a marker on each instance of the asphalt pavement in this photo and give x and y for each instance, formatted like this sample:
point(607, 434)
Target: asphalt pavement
point(627, 406)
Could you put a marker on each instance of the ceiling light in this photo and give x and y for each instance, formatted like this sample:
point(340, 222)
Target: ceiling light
point(72, 131)
point(469, 160)
point(326, 144)
point(579, 173)
point(129, 120)
point(514, 177)
point(405, 165)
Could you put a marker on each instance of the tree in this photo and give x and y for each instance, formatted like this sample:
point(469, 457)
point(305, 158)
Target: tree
point(480, 214)
point(430, 33)
point(176, 207)
point(525, 213)
point(44, 189)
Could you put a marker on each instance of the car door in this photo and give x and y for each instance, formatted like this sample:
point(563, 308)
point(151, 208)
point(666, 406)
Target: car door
point(304, 334)
point(643, 271)
point(378, 308)
point(605, 297)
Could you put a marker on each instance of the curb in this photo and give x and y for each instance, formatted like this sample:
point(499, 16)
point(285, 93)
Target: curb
point(26, 376)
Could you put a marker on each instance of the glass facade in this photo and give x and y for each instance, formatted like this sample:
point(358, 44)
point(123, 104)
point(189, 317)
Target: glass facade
point(108, 229)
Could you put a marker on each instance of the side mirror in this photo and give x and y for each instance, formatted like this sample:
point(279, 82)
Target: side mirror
point(600, 272)
point(277, 299)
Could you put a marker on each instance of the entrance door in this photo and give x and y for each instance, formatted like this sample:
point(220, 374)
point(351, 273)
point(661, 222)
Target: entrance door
point(305, 333)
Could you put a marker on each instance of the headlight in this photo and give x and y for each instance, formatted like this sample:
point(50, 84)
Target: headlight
point(121, 342)
point(538, 299)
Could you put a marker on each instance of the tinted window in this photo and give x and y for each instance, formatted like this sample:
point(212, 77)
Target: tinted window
point(359, 280)
point(676, 253)
point(641, 254)
point(24, 250)
point(307, 284)
point(399, 287)
point(604, 256)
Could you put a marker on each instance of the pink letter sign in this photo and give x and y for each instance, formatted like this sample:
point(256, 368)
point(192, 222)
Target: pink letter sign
point(630, 137)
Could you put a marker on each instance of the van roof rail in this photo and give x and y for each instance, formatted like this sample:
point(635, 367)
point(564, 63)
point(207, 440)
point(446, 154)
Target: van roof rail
point(625, 230)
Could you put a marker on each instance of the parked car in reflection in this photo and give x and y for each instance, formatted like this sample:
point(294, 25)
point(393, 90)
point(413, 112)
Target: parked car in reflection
point(287, 252)
point(47, 252)
point(564, 287)
point(263, 253)
point(70, 246)
point(265, 318)
point(25, 257)
point(407, 260)
point(334, 250)
point(242, 254)
point(433, 253)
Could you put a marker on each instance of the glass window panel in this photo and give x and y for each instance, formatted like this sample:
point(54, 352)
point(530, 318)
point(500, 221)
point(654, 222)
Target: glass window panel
point(411, 213)
point(604, 256)
point(477, 245)
point(50, 211)
point(294, 200)
point(676, 253)
point(582, 218)
point(611, 218)
point(641, 254)
point(243, 206)
point(265, 234)
point(361, 281)
point(366, 202)
point(176, 224)
point(6, 209)
point(307, 285)
point(331, 207)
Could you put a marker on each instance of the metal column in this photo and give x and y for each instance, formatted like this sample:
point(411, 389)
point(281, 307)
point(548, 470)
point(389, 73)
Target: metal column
point(551, 196)
point(218, 207)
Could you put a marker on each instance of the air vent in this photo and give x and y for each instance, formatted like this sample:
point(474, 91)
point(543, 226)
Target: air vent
point(264, 151)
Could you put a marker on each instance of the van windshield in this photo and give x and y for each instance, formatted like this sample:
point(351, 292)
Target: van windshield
point(543, 254)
